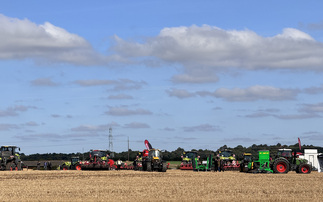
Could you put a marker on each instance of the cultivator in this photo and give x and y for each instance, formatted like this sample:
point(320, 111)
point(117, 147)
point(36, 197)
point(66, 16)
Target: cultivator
point(187, 158)
point(98, 161)
point(229, 162)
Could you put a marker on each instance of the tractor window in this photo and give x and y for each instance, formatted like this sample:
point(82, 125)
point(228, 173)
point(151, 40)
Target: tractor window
point(225, 154)
point(155, 153)
point(285, 154)
point(189, 155)
point(247, 158)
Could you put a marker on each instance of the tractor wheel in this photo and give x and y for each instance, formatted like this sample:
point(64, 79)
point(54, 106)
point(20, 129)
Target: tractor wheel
point(304, 169)
point(8, 166)
point(149, 167)
point(164, 169)
point(78, 167)
point(19, 166)
point(281, 165)
point(65, 167)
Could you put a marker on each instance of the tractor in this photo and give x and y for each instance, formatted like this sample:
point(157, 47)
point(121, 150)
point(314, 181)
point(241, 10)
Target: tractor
point(74, 164)
point(247, 157)
point(10, 158)
point(286, 160)
point(229, 160)
point(153, 161)
point(202, 165)
point(98, 161)
point(187, 158)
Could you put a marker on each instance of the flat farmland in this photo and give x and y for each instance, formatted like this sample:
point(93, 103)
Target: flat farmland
point(173, 185)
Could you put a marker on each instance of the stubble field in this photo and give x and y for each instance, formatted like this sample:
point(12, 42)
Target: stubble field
point(173, 185)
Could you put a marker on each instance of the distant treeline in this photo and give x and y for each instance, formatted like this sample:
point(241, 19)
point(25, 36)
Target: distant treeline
point(172, 155)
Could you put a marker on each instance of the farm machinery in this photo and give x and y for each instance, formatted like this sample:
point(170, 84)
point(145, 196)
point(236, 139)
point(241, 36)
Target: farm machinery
point(247, 157)
point(98, 161)
point(285, 161)
point(187, 158)
point(201, 165)
point(73, 164)
point(151, 160)
point(10, 158)
point(228, 160)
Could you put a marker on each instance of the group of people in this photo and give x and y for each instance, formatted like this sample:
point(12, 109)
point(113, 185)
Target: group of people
point(47, 165)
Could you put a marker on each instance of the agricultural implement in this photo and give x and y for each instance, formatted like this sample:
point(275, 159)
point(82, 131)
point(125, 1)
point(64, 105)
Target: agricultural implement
point(284, 162)
point(202, 165)
point(10, 158)
point(153, 160)
point(187, 158)
point(98, 161)
point(262, 165)
point(74, 164)
point(228, 160)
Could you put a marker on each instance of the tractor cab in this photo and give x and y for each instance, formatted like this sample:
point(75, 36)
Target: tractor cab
point(8, 151)
point(96, 155)
point(247, 157)
point(286, 153)
point(75, 160)
point(188, 156)
point(155, 154)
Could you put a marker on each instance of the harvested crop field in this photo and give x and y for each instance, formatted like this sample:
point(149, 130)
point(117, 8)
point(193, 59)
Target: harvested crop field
point(174, 185)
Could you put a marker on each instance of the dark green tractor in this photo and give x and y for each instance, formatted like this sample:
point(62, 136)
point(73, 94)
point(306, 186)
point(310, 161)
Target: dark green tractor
point(286, 160)
point(10, 158)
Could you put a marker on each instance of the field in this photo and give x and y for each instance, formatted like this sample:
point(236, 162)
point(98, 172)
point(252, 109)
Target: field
point(173, 185)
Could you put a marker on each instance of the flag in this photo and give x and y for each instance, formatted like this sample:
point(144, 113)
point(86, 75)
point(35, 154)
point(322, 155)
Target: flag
point(299, 144)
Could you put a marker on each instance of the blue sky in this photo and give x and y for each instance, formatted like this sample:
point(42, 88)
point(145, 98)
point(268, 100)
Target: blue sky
point(190, 74)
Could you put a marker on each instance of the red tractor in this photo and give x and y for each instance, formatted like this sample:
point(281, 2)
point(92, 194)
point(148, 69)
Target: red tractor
point(98, 161)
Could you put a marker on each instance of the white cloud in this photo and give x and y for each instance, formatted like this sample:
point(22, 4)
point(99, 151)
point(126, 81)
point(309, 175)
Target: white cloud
point(23, 39)
point(253, 93)
point(43, 82)
point(136, 125)
point(202, 128)
point(93, 128)
point(205, 50)
point(179, 93)
point(124, 111)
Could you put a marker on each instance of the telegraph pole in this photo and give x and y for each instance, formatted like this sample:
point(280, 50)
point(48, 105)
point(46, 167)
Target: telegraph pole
point(128, 148)
point(110, 141)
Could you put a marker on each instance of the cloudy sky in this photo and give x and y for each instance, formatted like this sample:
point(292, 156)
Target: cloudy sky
point(190, 74)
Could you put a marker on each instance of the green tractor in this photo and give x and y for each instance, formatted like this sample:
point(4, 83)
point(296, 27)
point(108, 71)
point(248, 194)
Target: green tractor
point(286, 160)
point(202, 165)
point(74, 164)
point(10, 158)
point(247, 158)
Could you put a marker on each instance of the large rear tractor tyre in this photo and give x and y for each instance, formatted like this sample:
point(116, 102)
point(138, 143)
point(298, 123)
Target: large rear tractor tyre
point(149, 167)
point(304, 169)
point(281, 166)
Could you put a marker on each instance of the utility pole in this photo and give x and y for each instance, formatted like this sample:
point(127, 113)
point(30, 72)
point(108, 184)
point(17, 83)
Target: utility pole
point(110, 142)
point(128, 148)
